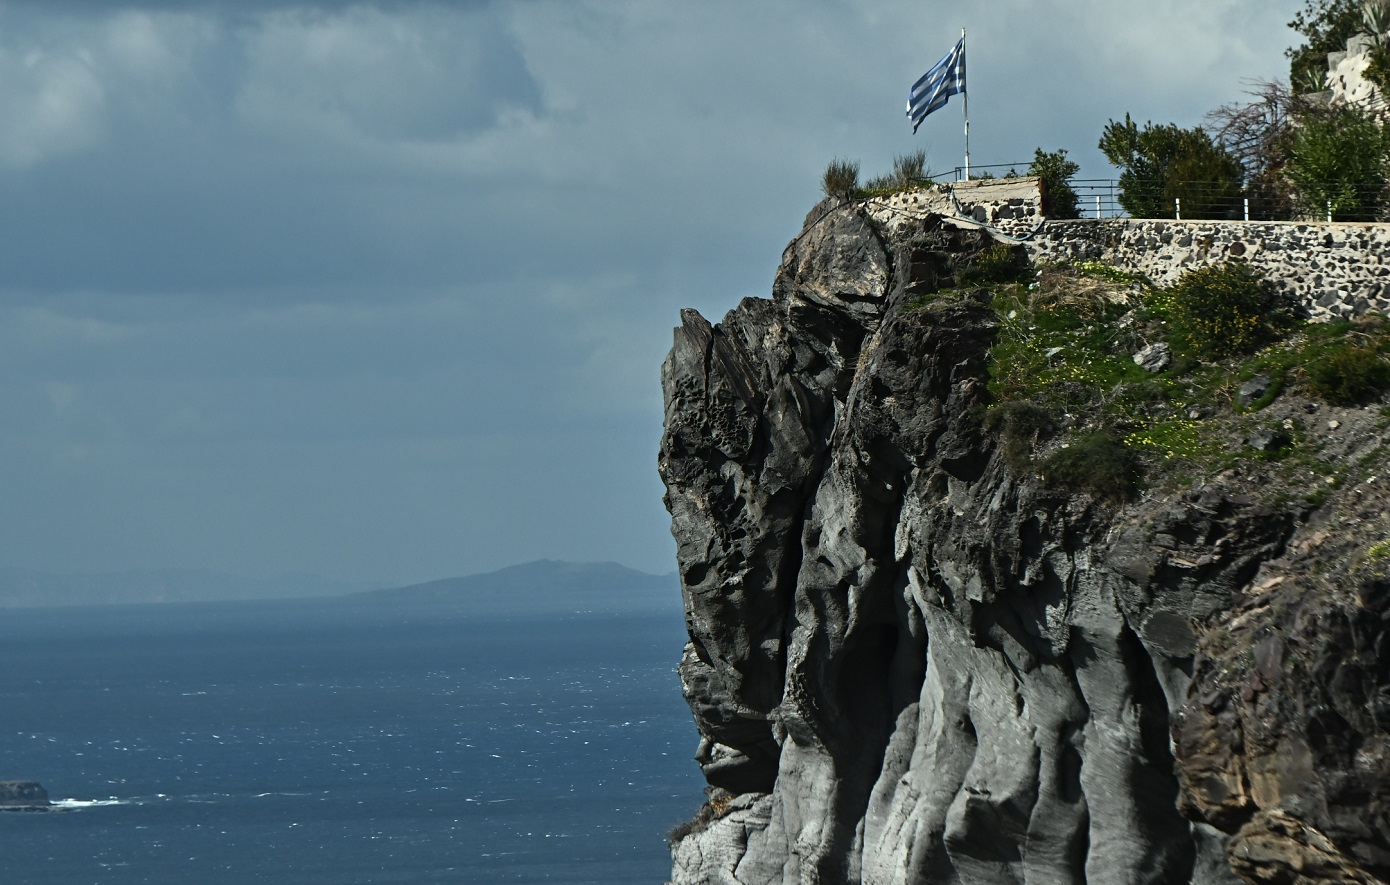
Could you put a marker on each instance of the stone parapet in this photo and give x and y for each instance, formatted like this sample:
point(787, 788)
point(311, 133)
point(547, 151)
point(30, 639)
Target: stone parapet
point(1335, 269)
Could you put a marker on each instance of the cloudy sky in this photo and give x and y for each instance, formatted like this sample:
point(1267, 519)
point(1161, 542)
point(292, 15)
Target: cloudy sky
point(380, 291)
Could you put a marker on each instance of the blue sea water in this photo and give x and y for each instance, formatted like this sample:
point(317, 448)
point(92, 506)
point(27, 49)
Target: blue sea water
point(319, 742)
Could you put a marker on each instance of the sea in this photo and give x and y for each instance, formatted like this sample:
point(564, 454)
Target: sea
point(322, 741)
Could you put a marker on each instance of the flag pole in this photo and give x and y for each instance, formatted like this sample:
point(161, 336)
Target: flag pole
point(965, 101)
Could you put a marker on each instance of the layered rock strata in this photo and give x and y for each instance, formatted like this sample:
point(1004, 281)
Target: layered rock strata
point(909, 662)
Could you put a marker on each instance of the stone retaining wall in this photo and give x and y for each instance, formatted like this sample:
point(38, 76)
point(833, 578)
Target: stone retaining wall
point(1335, 269)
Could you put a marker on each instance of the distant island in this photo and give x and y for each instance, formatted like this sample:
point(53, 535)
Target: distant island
point(542, 585)
point(23, 796)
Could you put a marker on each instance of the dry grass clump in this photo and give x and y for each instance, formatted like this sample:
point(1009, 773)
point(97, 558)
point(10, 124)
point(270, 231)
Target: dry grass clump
point(1088, 296)
point(717, 805)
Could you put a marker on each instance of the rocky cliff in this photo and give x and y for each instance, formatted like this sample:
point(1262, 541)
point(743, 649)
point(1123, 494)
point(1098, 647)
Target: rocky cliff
point(916, 655)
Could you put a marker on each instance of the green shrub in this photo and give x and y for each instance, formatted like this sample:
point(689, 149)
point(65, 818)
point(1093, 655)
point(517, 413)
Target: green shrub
point(1020, 425)
point(1378, 69)
point(1056, 171)
point(1164, 163)
point(1349, 374)
point(1226, 309)
point(998, 263)
point(1098, 463)
point(841, 178)
point(1379, 551)
point(1099, 270)
point(1338, 161)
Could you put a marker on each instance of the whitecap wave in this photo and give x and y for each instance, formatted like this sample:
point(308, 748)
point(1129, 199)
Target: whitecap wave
point(87, 803)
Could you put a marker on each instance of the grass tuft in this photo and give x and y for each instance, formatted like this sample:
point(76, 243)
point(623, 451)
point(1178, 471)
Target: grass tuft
point(1020, 426)
point(1098, 463)
point(1349, 373)
point(841, 179)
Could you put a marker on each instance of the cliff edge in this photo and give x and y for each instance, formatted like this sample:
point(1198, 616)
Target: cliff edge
point(920, 652)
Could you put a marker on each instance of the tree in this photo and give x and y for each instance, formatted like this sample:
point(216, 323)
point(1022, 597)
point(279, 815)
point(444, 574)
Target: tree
point(1165, 163)
point(1326, 26)
point(1338, 161)
point(1056, 172)
point(1259, 134)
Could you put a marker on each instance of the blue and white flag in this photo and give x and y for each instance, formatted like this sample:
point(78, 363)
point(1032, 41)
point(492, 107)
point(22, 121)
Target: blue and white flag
point(936, 86)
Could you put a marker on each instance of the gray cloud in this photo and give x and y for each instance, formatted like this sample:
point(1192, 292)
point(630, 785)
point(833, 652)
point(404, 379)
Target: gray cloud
point(380, 290)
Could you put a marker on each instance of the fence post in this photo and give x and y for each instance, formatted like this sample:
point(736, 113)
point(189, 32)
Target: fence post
point(1177, 208)
point(1329, 211)
point(1247, 208)
point(1098, 215)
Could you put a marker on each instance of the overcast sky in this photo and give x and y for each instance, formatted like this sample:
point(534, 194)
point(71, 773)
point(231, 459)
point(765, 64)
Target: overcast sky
point(380, 291)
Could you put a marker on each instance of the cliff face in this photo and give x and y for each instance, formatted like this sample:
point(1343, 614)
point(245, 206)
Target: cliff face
point(912, 662)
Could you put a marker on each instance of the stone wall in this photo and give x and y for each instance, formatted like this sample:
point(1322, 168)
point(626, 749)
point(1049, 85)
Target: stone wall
point(1335, 269)
point(1011, 206)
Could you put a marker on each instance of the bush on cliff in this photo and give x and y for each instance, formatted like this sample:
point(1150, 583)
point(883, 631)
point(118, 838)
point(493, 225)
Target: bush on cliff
point(909, 171)
point(1020, 425)
point(841, 179)
point(1225, 310)
point(1099, 463)
point(715, 807)
point(1349, 373)
point(999, 263)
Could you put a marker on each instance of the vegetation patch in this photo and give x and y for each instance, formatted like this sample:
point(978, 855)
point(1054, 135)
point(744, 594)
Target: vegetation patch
point(909, 172)
point(1379, 551)
point(1098, 463)
point(1020, 425)
point(1225, 310)
point(1060, 342)
point(1349, 373)
point(1062, 364)
point(841, 179)
point(999, 263)
point(718, 805)
point(1177, 439)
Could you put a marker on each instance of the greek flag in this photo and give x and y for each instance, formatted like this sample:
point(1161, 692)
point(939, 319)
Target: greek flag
point(937, 86)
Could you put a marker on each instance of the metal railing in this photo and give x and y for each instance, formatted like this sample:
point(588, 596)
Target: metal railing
point(1099, 198)
point(989, 170)
point(1326, 201)
point(1096, 197)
